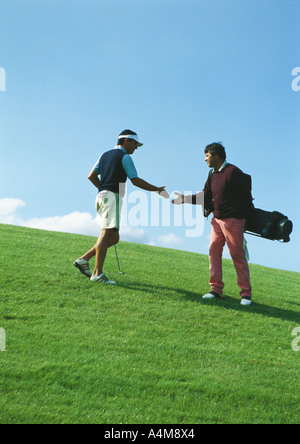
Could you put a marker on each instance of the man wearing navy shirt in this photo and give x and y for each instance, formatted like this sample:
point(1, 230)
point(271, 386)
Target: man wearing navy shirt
point(109, 175)
point(228, 195)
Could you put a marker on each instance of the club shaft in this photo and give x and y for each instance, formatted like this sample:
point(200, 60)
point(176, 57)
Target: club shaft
point(117, 259)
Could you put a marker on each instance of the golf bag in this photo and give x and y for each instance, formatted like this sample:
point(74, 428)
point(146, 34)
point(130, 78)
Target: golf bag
point(269, 225)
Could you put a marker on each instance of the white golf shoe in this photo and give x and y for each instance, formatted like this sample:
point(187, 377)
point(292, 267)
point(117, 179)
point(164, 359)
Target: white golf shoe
point(246, 302)
point(102, 279)
point(212, 295)
point(83, 267)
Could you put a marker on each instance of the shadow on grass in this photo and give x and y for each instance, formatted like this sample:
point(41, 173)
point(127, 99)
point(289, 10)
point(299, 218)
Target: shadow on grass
point(227, 302)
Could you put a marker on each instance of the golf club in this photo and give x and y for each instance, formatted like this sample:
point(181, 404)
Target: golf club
point(121, 272)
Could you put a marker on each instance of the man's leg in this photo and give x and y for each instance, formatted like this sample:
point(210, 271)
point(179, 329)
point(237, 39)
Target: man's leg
point(90, 254)
point(108, 206)
point(107, 239)
point(215, 257)
point(234, 233)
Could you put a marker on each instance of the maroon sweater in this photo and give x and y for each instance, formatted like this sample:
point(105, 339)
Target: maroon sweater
point(229, 193)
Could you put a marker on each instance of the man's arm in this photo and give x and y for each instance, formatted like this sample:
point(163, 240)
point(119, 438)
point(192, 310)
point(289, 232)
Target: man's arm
point(140, 183)
point(93, 177)
point(195, 199)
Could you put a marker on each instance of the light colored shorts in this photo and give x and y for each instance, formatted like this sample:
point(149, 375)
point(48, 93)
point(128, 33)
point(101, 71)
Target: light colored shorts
point(109, 206)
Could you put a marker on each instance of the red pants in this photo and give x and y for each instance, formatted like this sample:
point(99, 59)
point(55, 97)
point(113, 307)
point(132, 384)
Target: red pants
point(230, 231)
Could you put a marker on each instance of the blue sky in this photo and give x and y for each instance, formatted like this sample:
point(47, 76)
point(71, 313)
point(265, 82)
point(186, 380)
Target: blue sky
point(181, 73)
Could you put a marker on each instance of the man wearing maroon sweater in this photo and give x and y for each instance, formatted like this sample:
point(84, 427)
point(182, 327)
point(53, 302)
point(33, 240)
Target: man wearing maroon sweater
point(228, 195)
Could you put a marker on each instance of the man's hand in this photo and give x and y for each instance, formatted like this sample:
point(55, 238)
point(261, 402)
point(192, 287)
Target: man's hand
point(179, 199)
point(140, 183)
point(164, 193)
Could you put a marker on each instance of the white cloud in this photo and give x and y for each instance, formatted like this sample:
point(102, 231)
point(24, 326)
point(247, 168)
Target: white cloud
point(76, 222)
point(83, 223)
point(130, 234)
point(8, 210)
point(171, 241)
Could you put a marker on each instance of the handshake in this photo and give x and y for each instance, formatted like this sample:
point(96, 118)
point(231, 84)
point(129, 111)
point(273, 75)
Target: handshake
point(140, 183)
point(179, 200)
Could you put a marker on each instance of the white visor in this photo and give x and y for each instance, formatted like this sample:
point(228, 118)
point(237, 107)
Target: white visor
point(131, 136)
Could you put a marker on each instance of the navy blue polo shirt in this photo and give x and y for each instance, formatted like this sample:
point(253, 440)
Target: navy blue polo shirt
point(114, 167)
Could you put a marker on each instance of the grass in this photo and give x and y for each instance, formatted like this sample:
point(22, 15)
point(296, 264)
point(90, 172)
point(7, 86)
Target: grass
point(149, 351)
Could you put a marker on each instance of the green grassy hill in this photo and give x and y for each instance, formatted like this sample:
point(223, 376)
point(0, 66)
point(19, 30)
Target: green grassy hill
point(148, 351)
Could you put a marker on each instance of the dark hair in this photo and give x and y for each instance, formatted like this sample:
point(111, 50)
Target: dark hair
point(216, 148)
point(125, 133)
